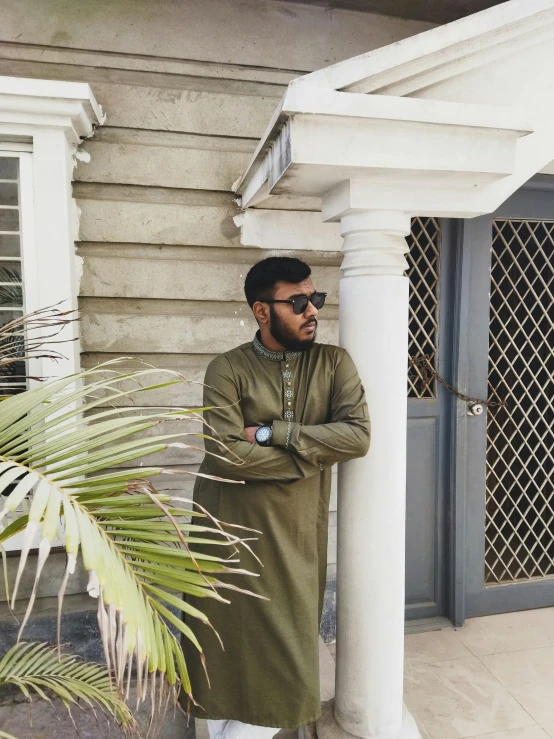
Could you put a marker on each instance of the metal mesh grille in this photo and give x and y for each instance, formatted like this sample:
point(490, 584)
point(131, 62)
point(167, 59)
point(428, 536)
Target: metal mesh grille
point(423, 271)
point(520, 438)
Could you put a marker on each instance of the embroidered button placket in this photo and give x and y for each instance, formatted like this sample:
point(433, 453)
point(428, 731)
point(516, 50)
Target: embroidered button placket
point(287, 373)
point(274, 356)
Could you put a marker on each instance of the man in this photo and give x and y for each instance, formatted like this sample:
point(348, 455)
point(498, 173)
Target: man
point(289, 408)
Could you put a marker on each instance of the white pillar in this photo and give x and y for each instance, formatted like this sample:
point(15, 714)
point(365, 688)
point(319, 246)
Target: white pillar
point(373, 322)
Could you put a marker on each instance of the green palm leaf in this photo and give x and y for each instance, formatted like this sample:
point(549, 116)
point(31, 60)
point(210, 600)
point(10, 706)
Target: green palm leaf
point(37, 668)
point(61, 449)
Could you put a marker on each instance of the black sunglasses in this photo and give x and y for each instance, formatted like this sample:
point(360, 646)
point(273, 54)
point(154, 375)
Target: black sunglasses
point(300, 303)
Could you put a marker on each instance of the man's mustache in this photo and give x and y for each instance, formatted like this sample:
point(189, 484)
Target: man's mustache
point(309, 323)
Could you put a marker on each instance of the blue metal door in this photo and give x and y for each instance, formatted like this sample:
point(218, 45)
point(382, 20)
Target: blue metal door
point(503, 512)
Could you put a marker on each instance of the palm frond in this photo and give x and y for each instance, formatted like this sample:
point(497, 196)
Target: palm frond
point(36, 668)
point(63, 451)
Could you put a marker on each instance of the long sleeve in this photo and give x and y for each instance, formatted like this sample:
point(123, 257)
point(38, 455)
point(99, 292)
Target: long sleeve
point(246, 461)
point(347, 434)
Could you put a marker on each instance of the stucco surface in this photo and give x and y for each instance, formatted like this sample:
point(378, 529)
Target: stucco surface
point(265, 33)
point(435, 11)
point(188, 88)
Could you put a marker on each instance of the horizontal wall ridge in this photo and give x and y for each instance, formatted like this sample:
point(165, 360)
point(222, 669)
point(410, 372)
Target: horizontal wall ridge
point(173, 139)
point(146, 63)
point(177, 307)
point(216, 254)
point(130, 78)
point(149, 194)
point(92, 359)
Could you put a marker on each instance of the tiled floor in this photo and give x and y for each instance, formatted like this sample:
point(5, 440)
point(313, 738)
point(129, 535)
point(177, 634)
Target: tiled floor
point(494, 678)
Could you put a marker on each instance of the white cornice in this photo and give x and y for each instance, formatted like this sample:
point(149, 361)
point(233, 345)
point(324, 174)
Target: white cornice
point(320, 138)
point(441, 52)
point(465, 121)
point(28, 104)
point(317, 101)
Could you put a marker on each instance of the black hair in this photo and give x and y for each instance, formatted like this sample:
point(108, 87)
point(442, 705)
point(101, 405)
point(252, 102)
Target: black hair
point(260, 280)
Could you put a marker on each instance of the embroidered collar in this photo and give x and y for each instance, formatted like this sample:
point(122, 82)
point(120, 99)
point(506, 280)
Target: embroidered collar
point(261, 351)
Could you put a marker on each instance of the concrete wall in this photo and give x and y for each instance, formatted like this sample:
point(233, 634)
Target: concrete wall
point(188, 87)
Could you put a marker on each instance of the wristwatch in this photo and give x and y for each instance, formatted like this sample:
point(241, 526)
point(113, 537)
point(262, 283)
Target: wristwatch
point(263, 435)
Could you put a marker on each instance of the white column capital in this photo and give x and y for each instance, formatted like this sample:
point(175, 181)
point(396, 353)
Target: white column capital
point(374, 242)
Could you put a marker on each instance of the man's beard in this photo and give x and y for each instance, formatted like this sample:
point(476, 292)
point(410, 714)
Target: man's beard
point(281, 333)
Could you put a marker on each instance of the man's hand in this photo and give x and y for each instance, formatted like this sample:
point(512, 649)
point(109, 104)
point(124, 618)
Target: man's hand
point(250, 433)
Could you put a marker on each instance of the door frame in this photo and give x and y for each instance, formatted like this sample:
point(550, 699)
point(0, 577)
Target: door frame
point(439, 409)
point(468, 595)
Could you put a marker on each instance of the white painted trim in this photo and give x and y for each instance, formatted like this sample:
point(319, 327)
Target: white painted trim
point(312, 101)
point(49, 118)
point(490, 32)
point(287, 164)
point(29, 262)
point(49, 103)
point(288, 229)
point(14, 146)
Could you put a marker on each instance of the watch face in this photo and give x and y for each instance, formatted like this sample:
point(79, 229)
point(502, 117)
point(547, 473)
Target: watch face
point(263, 434)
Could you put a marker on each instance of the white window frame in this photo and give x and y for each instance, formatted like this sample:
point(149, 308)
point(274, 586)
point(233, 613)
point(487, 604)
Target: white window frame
point(42, 122)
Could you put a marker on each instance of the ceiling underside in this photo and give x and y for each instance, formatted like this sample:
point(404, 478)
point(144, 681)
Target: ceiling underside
point(434, 11)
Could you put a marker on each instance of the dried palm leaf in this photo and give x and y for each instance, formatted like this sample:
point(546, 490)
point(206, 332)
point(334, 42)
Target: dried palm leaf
point(61, 449)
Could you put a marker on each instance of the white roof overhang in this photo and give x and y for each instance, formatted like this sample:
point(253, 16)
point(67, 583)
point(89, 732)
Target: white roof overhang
point(449, 122)
point(29, 104)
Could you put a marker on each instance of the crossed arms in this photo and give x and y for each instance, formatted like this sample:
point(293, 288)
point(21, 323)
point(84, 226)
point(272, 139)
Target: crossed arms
point(309, 448)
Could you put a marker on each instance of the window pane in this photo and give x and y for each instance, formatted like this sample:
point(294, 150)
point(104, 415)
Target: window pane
point(9, 193)
point(9, 219)
point(9, 245)
point(8, 168)
point(11, 288)
point(10, 270)
point(12, 376)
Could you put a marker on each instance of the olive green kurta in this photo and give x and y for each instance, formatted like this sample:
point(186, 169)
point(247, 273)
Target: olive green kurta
point(269, 672)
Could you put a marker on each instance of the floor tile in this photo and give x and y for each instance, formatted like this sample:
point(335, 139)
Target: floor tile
point(529, 676)
point(549, 728)
point(201, 726)
point(509, 632)
point(529, 732)
point(460, 698)
point(435, 646)
point(421, 726)
point(326, 672)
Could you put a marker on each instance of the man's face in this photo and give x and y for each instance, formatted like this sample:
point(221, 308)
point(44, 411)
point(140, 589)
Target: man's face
point(295, 333)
